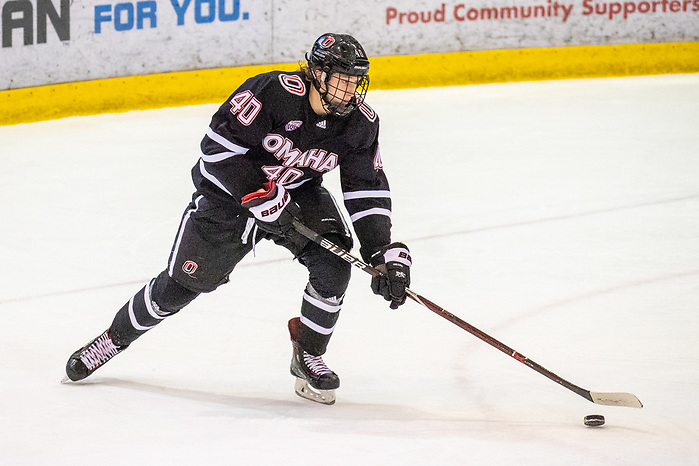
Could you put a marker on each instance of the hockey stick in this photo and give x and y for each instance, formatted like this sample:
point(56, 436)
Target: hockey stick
point(600, 398)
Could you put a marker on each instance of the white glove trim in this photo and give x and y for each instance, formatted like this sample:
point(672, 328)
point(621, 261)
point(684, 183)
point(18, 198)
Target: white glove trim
point(270, 210)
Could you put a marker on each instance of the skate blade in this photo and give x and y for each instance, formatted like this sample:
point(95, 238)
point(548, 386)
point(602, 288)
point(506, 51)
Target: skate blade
point(304, 390)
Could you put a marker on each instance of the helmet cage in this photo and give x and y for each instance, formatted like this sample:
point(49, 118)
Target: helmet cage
point(334, 91)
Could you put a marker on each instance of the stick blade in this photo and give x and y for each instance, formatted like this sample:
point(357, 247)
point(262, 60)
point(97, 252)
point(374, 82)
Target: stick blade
point(616, 399)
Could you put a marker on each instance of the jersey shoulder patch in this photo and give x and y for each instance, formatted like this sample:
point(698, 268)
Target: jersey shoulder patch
point(368, 112)
point(293, 84)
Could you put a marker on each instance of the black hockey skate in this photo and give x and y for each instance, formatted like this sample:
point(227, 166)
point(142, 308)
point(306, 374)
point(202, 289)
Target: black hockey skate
point(91, 357)
point(314, 380)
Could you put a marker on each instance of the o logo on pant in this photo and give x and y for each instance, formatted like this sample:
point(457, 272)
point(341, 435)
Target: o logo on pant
point(189, 267)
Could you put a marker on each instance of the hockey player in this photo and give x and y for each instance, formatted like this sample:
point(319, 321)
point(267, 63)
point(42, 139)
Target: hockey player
point(262, 163)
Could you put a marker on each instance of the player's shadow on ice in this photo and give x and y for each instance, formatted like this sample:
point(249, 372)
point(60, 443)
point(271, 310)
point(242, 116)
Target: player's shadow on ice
point(290, 406)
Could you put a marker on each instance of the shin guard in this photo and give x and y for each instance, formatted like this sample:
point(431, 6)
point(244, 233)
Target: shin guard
point(318, 316)
point(160, 298)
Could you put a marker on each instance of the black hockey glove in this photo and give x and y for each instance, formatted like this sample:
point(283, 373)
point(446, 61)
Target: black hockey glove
point(394, 262)
point(273, 208)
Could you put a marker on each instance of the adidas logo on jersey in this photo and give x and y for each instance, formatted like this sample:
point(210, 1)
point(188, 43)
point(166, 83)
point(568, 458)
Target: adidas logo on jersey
point(322, 124)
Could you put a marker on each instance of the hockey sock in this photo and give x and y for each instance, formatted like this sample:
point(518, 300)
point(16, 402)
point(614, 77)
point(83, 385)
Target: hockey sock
point(160, 298)
point(318, 316)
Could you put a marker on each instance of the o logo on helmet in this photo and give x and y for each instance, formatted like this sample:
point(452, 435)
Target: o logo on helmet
point(189, 267)
point(327, 42)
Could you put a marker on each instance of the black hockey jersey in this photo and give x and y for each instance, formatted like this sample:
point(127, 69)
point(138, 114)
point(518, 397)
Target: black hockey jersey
point(267, 130)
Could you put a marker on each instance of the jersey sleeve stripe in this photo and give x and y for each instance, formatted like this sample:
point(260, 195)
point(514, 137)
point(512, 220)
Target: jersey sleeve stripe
point(212, 178)
point(296, 185)
point(235, 148)
point(342, 217)
point(374, 211)
point(218, 157)
point(366, 194)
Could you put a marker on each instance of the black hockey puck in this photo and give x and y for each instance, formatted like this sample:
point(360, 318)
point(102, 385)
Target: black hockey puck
point(594, 420)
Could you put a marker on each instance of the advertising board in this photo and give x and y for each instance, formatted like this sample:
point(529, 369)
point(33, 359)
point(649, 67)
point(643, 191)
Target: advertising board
point(58, 41)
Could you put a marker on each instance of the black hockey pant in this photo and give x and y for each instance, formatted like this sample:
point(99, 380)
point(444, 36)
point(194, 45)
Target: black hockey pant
point(209, 244)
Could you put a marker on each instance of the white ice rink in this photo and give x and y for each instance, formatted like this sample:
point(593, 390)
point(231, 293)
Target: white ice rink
point(560, 217)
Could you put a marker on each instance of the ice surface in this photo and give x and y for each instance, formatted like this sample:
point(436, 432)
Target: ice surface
point(560, 217)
